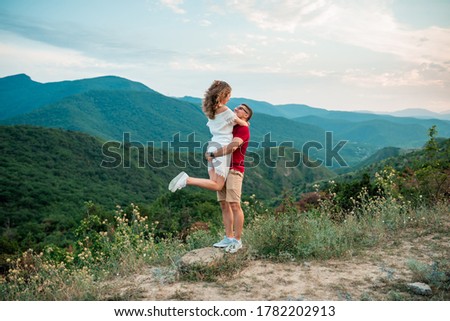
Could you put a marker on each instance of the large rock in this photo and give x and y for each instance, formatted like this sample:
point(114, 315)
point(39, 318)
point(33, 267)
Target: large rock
point(210, 264)
point(420, 288)
point(206, 256)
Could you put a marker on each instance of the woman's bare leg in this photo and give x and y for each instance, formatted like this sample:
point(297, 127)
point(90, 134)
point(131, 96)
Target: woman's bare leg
point(214, 183)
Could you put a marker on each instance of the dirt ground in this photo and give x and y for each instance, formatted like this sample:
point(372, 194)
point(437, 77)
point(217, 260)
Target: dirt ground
point(379, 273)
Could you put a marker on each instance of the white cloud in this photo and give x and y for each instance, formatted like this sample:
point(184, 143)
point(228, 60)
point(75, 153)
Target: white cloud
point(414, 77)
point(174, 5)
point(367, 24)
point(319, 73)
point(297, 58)
point(50, 62)
point(192, 64)
point(377, 30)
point(259, 39)
point(285, 15)
point(204, 23)
point(235, 50)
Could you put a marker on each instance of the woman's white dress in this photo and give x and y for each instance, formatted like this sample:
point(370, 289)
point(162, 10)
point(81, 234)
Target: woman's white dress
point(221, 128)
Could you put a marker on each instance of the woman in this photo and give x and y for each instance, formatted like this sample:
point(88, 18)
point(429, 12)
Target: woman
point(221, 121)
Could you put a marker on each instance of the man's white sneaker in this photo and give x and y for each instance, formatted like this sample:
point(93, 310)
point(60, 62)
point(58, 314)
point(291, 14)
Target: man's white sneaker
point(235, 246)
point(224, 243)
point(178, 182)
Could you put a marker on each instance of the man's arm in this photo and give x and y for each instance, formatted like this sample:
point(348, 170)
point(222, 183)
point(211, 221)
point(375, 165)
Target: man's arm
point(227, 149)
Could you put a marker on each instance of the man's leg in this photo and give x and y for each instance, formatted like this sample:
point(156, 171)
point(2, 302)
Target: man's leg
point(238, 218)
point(227, 218)
point(234, 191)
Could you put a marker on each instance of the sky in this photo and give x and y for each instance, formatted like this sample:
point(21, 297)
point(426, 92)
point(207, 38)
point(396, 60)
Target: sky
point(372, 55)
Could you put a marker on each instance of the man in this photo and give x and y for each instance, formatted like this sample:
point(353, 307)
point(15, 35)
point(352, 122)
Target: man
point(230, 196)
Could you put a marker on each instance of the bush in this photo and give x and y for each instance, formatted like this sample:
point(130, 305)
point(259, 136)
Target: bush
point(294, 235)
point(436, 275)
point(104, 250)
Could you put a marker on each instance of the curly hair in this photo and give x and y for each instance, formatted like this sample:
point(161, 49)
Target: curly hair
point(215, 94)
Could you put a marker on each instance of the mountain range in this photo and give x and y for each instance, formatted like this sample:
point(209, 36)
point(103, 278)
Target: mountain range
point(107, 107)
point(421, 113)
point(365, 132)
point(20, 95)
point(299, 110)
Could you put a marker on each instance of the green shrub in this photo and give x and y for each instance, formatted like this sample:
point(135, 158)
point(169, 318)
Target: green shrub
point(295, 235)
point(437, 275)
point(104, 250)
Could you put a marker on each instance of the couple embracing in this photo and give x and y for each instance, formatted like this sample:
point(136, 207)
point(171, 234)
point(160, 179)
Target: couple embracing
point(225, 155)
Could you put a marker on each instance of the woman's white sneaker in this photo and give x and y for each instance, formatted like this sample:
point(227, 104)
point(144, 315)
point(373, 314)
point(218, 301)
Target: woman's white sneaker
point(178, 182)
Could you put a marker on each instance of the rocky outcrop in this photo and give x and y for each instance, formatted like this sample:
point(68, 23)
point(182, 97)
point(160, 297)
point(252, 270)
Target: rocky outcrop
point(206, 256)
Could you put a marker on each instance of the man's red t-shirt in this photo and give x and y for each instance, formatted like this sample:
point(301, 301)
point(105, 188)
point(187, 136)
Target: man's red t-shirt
point(238, 156)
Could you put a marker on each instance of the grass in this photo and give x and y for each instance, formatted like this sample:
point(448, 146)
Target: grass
point(106, 250)
point(436, 274)
point(292, 235)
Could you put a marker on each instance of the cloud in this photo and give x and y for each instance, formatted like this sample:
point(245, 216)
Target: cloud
point(285, 15)
point(102, 44)
point(297, 58)
point(174, 5)
point(235, 50)
point(204, 23)
point(367, 24)
point(416, 77)
point(48, 61)
point(192, 64)
point(64, 35)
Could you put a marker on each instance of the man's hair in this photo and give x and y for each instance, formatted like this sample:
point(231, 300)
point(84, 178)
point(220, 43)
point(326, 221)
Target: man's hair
point(250, 111)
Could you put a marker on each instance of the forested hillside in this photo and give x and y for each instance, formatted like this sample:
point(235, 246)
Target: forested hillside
point(49, 174)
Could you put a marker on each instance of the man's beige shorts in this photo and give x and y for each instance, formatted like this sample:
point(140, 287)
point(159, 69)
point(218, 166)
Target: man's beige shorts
point(232, 190)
